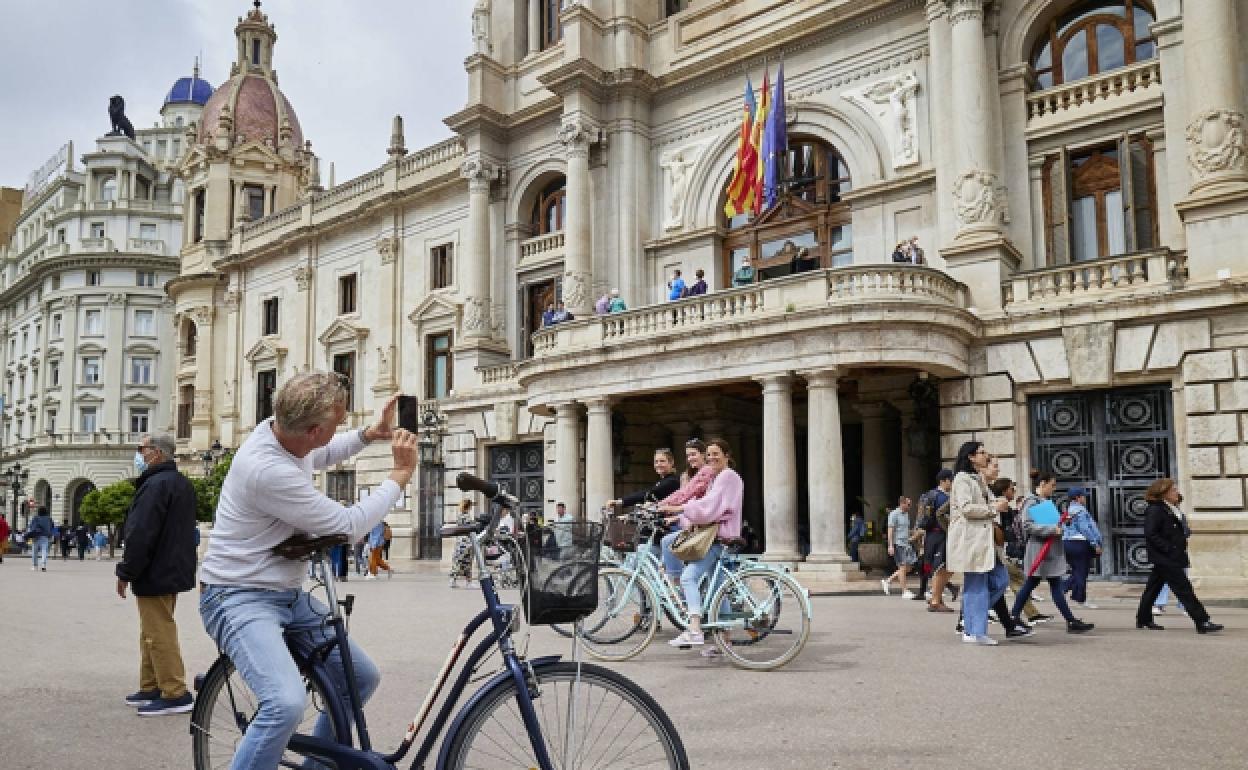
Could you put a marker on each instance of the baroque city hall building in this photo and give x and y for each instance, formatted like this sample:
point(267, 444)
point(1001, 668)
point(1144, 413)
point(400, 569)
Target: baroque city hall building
point(1082, 308)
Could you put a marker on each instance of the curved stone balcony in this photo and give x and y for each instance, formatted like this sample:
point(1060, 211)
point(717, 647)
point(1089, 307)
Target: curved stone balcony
point(882, 315)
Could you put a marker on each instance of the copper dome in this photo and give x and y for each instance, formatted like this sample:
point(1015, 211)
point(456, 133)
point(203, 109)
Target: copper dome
point(258, 108)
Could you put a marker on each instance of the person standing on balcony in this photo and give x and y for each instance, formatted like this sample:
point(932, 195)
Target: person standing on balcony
point(699, 286)
point(603, 305)
point(901, 253)
point(617, 305)
point(548, 316)
point(916, 251)
point(676, 287)
point(561, 314)
point(744, 275)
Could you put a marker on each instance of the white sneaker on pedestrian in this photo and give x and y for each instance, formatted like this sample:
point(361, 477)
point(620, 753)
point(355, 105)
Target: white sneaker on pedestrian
point(927, 595)
point(1158, 609)
point(908, 594)
point(1087, 606)
point(884, 585)
point(688, 639)
point(984, 641)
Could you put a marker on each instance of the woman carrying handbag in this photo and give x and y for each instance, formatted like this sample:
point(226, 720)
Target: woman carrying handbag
point(719, 508)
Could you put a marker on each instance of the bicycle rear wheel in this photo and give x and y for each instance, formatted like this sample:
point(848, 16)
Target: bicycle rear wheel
point(767, 619)
point(626, 617)
point(590, 718)
point(222, 714)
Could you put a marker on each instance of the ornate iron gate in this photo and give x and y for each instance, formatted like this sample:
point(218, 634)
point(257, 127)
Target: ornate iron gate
point(1114, 443)
point(430, 512)
point(518, 470)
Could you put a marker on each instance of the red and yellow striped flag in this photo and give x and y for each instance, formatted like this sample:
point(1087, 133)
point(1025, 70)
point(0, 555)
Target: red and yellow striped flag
point(741, 189)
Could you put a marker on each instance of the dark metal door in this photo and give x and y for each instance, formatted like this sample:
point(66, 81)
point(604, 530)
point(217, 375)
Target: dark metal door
point(1115, 443)
point(430, 513)
point(518, 470)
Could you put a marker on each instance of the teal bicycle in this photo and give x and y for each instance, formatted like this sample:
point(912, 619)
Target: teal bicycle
point(757, 615)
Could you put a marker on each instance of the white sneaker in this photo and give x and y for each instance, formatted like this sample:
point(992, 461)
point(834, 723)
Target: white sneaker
point(370, 576)
point(908, 594)
point(688, 639)
point(1158, 609)
point(1088, 606)
point(452, 582)
point(927, 595)
point(884, 585)
point(984, 641)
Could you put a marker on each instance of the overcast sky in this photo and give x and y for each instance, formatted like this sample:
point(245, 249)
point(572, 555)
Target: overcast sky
point(347, 66)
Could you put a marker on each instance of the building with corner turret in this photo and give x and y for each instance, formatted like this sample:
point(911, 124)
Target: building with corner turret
point(1080, 201)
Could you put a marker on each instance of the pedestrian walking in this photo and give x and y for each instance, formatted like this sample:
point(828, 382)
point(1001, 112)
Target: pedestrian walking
point(66, 536)
point(461, 558)
point(387, 535)
point(82, 538)
point(857, 533)
point(971, 547)
point(1081, 539)
point(1163, 598)
point(1041, 562)
point(361, 561)
point(4, 537)
point(1164, 535)
point(40, 537)
point(158, 564)
point(1015, 548)
point(935, 523)
point(377, 539)
point(899, 547)
point(101, 542)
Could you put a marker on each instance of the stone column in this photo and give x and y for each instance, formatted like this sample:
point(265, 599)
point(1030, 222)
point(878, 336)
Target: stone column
point(826, 468)
point(976, 207)
point(476, 266)
point(568, 456)
point(874, 462)
point(578, 278)
point(939, 86)
point(913, 480)
point(779, 469)
point(535, 26)
point(599, 478)
point(1215, 129)
point(115, 365)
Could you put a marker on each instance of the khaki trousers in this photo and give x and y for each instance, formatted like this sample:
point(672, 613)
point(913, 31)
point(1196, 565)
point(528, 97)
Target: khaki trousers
point(1016, 582)
point(160, 658)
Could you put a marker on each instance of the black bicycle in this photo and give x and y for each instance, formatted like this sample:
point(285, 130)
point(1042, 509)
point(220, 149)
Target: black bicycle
point(544, 712)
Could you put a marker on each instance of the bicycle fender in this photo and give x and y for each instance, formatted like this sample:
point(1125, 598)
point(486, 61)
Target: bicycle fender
point(498, 680)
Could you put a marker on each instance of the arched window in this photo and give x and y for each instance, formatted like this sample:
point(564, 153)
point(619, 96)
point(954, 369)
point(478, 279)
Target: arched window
point(108, 188)
point(1094, 38)
point(549, 211)
point(807, 228)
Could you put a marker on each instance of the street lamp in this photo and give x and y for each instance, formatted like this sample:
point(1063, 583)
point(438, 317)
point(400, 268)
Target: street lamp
point(14, 478)
point(433, 428)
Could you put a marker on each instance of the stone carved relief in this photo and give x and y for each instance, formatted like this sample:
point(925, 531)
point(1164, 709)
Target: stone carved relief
point(476, 317)
point(975, 199)
point(677, 164)
point(966, 10)
point(891, 103)
point(577, 135)
point(388, 248)
point(481, 27)
point(203, 315)
point(479, 172)
point(385, 366)
point(303, 277)
point(576, 288)
point(116, 299)
point(232, 300)
point(1215, 143)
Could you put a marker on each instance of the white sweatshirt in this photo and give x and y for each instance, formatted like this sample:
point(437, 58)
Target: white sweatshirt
point(268, 496)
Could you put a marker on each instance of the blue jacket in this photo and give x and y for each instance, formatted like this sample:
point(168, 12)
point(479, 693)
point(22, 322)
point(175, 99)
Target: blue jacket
point(678, 289)
point(858, 529)
point(1081, 525)
point(42, 526)
point(377, 537)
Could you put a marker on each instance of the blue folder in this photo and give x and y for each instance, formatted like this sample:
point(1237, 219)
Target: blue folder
point(1045, 513)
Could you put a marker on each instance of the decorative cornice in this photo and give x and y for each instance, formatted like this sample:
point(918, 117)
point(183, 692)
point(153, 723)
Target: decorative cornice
point(966, 10)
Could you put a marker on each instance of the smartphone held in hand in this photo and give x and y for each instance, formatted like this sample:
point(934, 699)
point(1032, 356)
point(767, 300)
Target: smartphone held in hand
point(409, 413)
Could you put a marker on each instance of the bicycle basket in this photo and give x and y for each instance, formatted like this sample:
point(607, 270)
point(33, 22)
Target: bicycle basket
point(622, 533)
point(561, 578)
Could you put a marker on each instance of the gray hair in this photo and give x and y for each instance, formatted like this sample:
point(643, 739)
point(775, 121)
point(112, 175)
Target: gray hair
point(163, 443)
point(307, 400)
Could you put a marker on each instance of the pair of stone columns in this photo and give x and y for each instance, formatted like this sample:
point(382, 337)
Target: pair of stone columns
point(599, 481)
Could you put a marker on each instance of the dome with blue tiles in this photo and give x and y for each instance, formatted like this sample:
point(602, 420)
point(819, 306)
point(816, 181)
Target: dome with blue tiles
point(190, 90)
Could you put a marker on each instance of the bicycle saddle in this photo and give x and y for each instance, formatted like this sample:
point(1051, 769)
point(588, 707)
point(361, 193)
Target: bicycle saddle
point(299, 547)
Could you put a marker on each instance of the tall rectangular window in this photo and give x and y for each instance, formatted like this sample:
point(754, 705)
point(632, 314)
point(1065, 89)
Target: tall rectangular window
point(139, 420)
point(90, 370)
point(441, 257)
point(144, 323)
point(145, 278)
point(56, 326)
point(87, 419)
point(97, 229)
point(54, 374)
point(271, 308)
point(255, 201)
point(344, 365)
point(340, 486)
point(49, 420)
point(141, 370)
point(93, 277)
point(552, 29)
point(346, 294)
point(93, 322)
point(438, 366)
point(197, 231)
point(266, 386)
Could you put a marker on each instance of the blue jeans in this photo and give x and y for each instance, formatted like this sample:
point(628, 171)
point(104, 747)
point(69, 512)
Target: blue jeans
point(692, 576)
point(39, 553)
point(1163, 598)
point(1079, 553)
point(248, 624)
point(671, 565)
point(980, 590)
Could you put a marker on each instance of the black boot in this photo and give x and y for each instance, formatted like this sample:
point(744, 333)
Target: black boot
point(1077, 626)
point(1208, 627)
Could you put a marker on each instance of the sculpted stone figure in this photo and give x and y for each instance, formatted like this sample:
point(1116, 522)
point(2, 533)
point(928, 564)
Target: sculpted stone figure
point(117, 115)
point(677, 185)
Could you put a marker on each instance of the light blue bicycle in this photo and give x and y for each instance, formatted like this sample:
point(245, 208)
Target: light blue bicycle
point(757, 614)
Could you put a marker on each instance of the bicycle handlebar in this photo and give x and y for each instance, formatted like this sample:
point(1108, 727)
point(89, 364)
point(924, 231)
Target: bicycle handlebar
point(469, 483)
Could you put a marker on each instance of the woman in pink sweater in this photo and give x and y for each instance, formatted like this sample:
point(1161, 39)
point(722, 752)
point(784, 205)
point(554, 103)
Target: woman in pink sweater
point(694, 482)
point(722, 505)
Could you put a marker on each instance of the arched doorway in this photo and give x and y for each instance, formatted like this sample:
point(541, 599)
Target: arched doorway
point(77, 490)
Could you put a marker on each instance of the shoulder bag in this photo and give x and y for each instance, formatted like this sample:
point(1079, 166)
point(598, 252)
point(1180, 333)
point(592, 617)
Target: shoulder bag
point(693, 544)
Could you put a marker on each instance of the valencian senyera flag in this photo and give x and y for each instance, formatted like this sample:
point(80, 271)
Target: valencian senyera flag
point(758, 138)
point(775, 154)
point(745, 172)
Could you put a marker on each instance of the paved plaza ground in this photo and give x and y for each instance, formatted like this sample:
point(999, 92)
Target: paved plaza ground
point(881, 684)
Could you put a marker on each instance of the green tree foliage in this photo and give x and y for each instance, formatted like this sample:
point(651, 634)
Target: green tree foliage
point(208, 489)
point(108, 507)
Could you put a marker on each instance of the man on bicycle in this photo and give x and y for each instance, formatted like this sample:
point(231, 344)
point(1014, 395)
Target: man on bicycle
point(250, 596)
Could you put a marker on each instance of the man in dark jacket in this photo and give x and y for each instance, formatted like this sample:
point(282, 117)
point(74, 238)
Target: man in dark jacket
point(40, 534)
point(159, 563)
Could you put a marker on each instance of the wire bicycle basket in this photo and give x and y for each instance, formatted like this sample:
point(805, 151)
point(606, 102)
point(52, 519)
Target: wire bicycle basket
point(560, 574)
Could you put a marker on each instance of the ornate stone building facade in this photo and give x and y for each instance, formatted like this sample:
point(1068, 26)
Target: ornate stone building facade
point(1081, 309)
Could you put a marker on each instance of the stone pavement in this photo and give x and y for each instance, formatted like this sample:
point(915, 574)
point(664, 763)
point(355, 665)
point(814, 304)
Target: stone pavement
point(881, 684)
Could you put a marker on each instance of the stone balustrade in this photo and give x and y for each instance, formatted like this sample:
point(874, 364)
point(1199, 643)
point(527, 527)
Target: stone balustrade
point(103, 245)
point(887, 282)
point(276, 220)
point(542, 247)
point(348, 191)
point(1096, 279)
point(1114, 85)
point(499, 374)
point(147, 246)
point(430, 157)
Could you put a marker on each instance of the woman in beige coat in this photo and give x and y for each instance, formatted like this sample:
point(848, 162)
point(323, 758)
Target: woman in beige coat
point(970, 548)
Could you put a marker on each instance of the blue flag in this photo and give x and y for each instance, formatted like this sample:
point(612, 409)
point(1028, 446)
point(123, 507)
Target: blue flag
point(776, 141)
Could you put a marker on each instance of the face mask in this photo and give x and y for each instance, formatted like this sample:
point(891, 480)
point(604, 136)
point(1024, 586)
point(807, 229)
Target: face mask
point(140, 464)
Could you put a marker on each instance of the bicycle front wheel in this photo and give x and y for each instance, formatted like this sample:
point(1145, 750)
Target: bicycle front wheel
point(765, 619)
point(590, 718)
point(225, 706)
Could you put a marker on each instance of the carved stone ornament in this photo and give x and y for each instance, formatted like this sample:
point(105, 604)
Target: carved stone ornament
point(576, 136)
point(116, 299)
point(891, 102)
point(71, 301)
point(476, 317)
point(966, 10)
point(678, 164)
point(388, 248)
point(479, 173)
point(203, 315)
point(481, 27)
point(385, 365)
point(576, 286)
point(1215, 143)
point(232, 300)
point(303, 277)
point(975, 199)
